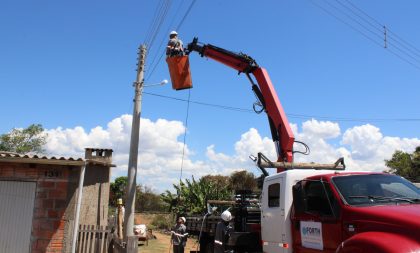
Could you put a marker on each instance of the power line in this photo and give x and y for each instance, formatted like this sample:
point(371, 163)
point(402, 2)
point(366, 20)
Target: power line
point(394, 46)
point(345, 22)
point(230, 108)
point(290, 115)
point(164, 40)
point(355, 20)
point(363, 12)
point(185, 15)
point(406, 48)
point(360, 16)
point(152, 25)
point(185, 133)
point(178, 28)
point(162, 18)
point(397, 40)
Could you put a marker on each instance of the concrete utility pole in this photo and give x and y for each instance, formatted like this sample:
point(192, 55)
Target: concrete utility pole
point(134, 146)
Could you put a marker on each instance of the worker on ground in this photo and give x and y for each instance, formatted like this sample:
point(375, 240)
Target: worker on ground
point(175, 46)
point(223, 230)
point(179, 235)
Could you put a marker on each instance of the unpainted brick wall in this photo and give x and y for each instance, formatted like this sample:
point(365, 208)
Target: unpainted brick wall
point(49, 224)
point(55, 201)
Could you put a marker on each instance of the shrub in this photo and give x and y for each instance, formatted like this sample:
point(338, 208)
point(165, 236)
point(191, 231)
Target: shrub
point(162, 221)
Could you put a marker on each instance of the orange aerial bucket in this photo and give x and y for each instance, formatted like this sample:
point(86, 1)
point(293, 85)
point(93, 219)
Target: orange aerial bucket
point(179, 69)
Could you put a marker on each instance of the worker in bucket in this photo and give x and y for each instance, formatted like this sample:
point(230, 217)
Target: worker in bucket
point(175, 46)
point(179, 236)
point(223, 230)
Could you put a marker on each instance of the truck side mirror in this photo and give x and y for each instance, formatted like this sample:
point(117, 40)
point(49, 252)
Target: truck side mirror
point(298, 197)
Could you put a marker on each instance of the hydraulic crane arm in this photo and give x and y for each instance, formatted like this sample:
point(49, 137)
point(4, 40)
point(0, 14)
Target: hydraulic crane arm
point(279, 125)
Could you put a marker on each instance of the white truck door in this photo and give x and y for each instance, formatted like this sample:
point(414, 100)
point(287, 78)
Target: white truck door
point(272, 215)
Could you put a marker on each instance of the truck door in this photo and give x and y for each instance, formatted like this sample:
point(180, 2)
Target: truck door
point(272, 215)
point(316, 219)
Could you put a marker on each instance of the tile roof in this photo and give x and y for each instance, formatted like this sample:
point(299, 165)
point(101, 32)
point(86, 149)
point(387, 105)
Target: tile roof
point(55, 160)
point(14, 157)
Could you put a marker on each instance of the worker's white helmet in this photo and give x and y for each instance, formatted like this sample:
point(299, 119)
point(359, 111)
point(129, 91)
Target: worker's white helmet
point(226, 216)
point(183, 219)
point(173, 33)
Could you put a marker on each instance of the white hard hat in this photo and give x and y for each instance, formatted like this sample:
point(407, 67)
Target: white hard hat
point(173, 33)
point(183, 219)
point(226, 216)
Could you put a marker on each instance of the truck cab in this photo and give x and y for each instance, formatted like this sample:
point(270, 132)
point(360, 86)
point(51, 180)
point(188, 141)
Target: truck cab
point(322, 211)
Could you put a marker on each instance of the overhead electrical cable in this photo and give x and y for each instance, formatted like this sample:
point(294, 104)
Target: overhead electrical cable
point(185, 134)
point(360, 21)
point(379, 26)
point(363, 18)
point(345, 22)
point(161, 20)
point(380, 35)
point(155, 21)
point(185, 15)
point(178, 28)
point(189, 95)
point(163, 50)
point(152, 25)
point(290, 115)
point(202, 103)
point(391, 44)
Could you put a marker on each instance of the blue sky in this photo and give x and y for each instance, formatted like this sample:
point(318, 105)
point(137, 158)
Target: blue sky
point(71, 64)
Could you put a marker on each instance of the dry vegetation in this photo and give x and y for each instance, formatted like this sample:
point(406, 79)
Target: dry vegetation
point(162, 243)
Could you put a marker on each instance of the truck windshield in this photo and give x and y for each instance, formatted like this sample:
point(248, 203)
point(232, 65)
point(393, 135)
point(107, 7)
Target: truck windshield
point(376, 189)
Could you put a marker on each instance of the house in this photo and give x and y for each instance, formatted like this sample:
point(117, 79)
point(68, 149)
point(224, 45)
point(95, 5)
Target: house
point(38, 199)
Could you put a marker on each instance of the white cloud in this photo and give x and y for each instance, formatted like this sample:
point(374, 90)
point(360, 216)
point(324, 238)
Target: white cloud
point(321, 129)
point(160, 151)
point(160, 154)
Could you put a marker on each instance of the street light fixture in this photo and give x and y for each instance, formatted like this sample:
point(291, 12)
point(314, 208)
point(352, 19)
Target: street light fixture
point(163, 82)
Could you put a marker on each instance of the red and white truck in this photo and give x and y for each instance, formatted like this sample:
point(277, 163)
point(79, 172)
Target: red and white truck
point(308, 208)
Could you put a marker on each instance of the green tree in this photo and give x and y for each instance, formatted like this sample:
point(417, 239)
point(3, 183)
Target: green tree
point(21, 141)
point(147, 200)
point(242, 180)
point(405, 164)
point(192, 195)
point(117, 190)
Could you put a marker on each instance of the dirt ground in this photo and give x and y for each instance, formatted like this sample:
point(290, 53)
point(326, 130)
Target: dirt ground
point(162, 243)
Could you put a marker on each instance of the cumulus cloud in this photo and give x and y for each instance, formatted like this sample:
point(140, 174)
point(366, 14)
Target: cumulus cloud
point(321, 129)
point(160, 154)
point(160, 151)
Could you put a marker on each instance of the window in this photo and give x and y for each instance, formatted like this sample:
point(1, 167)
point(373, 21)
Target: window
point(316, 198)
point(375, 189)
point(274, 195)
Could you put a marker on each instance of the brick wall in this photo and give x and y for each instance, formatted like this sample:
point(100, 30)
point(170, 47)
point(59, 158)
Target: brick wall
point(50, 221)
point(55, 200)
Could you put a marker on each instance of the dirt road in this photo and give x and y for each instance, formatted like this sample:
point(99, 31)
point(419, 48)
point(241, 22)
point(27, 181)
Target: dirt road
point(163, 244)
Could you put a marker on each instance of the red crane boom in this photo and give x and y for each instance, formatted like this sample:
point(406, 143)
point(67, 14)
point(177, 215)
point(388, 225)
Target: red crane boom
point(281, 132)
